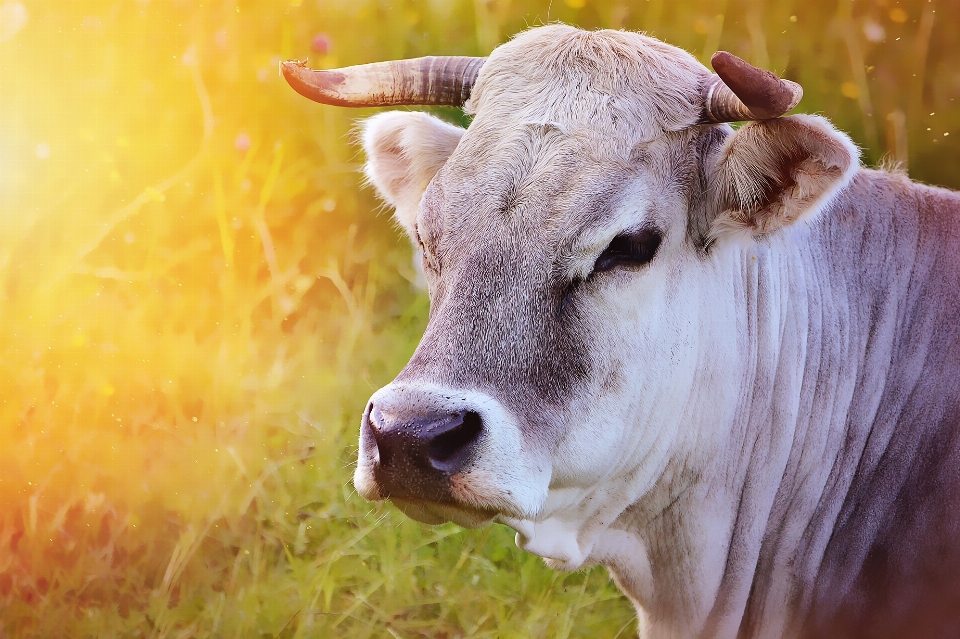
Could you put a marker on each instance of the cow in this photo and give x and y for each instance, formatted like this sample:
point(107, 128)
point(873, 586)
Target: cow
point(725, 364)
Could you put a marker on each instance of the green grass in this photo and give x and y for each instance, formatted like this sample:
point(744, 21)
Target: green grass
point(190, 325)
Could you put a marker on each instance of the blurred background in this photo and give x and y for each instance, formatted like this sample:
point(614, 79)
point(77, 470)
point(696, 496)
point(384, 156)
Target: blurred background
point(197, 298)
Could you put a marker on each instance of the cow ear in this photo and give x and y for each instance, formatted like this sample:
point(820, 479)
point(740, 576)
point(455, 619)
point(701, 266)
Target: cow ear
point(404, 151)
point(774, 173)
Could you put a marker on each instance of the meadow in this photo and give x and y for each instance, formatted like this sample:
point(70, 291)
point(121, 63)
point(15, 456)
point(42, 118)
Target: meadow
point(197, 297)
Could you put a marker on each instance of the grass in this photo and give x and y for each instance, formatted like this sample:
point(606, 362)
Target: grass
point(196, 300)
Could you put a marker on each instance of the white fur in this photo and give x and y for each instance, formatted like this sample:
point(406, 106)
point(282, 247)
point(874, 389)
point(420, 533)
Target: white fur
point(404, 151)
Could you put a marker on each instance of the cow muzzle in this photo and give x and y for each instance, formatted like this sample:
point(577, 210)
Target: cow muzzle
point(415, 453)
point(445, 455)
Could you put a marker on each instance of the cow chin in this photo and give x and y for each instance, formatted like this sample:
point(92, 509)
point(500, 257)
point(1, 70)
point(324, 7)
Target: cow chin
point(436, 513)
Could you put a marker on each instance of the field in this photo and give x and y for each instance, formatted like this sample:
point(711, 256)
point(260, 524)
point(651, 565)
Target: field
point(197, 298)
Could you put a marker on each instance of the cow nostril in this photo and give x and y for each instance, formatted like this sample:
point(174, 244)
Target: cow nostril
point(447, 446)
point(370, 437)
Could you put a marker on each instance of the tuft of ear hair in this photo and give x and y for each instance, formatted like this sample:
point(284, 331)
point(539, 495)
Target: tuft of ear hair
point(405, 149)
point(773, 173)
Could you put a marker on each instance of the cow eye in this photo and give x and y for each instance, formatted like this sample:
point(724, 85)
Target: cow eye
point(629, 249)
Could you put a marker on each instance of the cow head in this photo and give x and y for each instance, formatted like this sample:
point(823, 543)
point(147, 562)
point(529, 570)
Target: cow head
point(576, 240)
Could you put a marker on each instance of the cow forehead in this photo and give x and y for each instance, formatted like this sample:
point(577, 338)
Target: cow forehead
point(538, 190)
point(559, 114)
point(615, 86)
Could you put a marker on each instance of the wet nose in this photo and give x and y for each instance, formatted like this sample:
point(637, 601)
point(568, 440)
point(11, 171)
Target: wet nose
point(418, 452)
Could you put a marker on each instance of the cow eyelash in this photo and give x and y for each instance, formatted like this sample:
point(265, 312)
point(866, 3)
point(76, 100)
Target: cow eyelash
point(635, 248)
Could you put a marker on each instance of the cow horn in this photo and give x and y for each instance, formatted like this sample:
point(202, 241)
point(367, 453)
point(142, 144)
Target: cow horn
point(741, 91)
point(431, 80)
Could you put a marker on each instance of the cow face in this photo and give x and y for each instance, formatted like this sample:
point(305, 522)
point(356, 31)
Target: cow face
point(578, 241)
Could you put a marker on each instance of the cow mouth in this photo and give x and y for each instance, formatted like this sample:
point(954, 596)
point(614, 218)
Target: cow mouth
point(426, 508)
point(430, 512)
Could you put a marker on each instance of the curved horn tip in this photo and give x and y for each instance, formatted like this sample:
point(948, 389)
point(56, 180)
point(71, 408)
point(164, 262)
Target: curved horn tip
point(722, 57)
point(763, 92)
point(319, 86)
point(286, 67)
point(285, 64)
